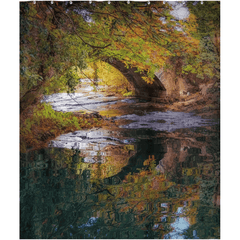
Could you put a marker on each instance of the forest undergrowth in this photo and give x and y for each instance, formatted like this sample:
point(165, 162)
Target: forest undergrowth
point(40, 124)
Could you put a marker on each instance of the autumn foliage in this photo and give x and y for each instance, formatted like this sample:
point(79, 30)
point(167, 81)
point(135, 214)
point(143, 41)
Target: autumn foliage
point(43, 124)
point(61, 42)
point(54, 38)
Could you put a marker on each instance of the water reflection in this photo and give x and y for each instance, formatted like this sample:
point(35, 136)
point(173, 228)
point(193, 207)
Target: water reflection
point(88, 100)
point(163, 185)
point(165, 121)
point(179, 227)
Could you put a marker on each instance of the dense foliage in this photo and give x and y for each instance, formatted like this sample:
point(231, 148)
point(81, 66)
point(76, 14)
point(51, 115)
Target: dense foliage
point(107, 76)
point(207, 18)
point(55, 38)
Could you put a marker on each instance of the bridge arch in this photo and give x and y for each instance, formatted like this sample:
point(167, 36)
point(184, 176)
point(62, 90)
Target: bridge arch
point(142, 89)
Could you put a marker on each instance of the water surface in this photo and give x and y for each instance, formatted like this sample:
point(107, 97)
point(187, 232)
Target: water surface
point(157, 176)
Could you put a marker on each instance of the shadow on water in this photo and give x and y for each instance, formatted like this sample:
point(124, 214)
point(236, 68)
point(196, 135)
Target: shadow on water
point(163, 185)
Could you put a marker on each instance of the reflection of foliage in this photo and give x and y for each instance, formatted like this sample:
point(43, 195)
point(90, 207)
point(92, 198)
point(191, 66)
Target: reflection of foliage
point(207, 223)
point(70, 199)
point(207, 191)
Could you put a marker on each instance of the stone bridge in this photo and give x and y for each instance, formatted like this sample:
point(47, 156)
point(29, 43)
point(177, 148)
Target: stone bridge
point(165, 83)
point(142, 89)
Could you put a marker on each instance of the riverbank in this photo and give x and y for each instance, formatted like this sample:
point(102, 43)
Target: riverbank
point(204, 102)
point(39, 124)
point(44, 122)
point(207, 106)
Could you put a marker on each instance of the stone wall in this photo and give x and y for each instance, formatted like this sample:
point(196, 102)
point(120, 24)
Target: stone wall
point(142, 89)
point(166, 82)
point(175, 86)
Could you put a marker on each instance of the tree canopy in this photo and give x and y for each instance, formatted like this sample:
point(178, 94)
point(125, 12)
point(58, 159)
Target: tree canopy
point(54, 38)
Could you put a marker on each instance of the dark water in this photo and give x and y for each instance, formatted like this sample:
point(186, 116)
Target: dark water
point(134, 182)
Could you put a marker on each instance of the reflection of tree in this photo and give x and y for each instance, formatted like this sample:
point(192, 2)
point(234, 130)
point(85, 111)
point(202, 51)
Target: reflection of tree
point(145, 148)
point(63, 197)
point(208, 212)
point(208, 221)
point(70, 201)
point(26, 215)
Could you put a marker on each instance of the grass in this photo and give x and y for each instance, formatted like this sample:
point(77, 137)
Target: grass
point(42, 123)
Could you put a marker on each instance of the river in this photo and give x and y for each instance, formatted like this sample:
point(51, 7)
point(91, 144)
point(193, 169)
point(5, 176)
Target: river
point(151, 174)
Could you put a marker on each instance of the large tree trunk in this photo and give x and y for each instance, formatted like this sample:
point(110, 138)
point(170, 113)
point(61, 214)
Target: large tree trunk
point(29, 98)
point(32, 95)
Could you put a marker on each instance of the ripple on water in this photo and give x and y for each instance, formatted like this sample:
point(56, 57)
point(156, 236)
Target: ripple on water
point(165, 121)
point(78, 101)
point(89, 142)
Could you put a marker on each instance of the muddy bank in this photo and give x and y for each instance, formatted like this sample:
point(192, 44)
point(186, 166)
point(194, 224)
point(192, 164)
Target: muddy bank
point(205, 103)
point(204, 106)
